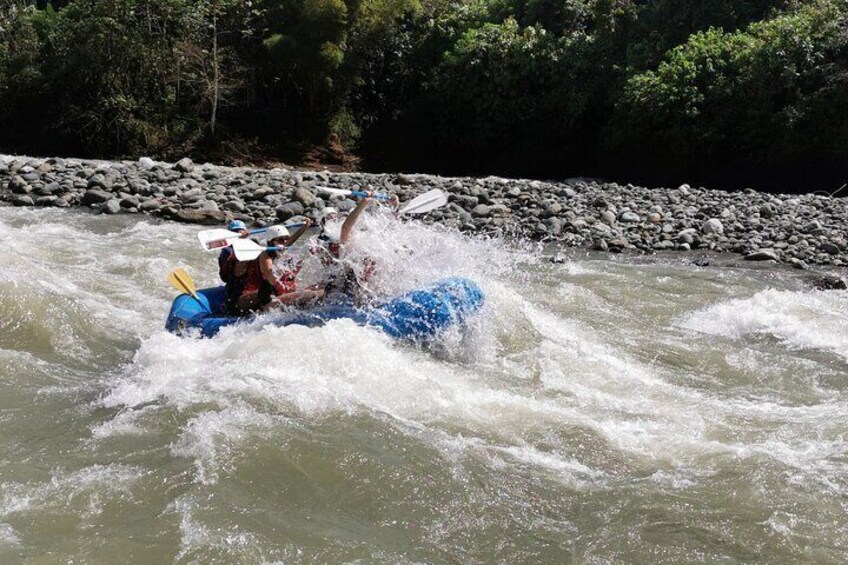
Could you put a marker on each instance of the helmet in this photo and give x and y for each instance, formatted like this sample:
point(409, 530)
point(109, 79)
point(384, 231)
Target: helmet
point(236, 225)
point(329, 210)
point(275, 232)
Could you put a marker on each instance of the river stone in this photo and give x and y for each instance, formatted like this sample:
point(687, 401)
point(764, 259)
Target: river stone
point(150, 205)
point(829, 282)
point(289, 209)
point(829, 248)
point(480, 211)
point(404, 180)
point(262, 192)
point(712, 226)
point(608, 217)
point(205, 217)
point(47, 200)
point(629, 217)
point(798, 264)
point(304, 196)
point(813, 228)
point(19, 186)
point(192, 195)
point(146, 163)
point(95, 196)
point(184, 165)
point(49, 189)
point(21, 200)
point(113, 206)
point(130, 202)
point(234, 205)
point(687, 235)
point(762, 255)
point(208, 205)
point(100, 181)
point(617, 244)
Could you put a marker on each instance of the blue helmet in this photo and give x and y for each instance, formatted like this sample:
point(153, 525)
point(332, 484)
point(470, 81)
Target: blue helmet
point(237, 225)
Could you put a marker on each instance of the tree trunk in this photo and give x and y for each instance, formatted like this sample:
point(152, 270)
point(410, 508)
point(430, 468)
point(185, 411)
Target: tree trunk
point(215, 75)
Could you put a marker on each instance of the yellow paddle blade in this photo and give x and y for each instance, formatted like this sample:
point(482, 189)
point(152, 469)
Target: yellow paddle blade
point(182, 281)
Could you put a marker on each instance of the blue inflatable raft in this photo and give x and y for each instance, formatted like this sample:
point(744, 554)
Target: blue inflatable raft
point(417, 316)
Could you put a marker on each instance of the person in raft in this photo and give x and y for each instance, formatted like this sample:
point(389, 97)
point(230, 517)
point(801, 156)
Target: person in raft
point(342, 279)
point(226, 258)
point(267, 285)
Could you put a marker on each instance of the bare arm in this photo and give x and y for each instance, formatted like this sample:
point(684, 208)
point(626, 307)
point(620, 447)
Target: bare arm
point(266, 267)
point(350, 221)
point(298, 297)
point(301, 230)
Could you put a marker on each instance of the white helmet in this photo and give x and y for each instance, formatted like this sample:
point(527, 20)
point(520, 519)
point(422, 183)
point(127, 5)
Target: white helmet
point(329, 210)
point(276, 232)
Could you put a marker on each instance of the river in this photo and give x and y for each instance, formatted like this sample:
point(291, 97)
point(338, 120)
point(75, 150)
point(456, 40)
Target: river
point(599, 410)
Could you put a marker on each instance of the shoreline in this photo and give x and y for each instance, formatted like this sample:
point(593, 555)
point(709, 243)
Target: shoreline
point(801, 230)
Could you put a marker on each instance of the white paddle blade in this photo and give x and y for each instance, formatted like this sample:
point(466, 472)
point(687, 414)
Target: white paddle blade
point(425, 202)
point(211, 240)
point(246, 249)
point(333, 191)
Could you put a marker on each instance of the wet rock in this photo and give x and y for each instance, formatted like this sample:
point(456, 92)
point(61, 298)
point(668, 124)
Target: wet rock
point(47, 200)
point(95, 197)
point(762, 255)
point(113, 206)
point(829, 282)
point(21, 200)
point(798, 264)
point(205, 217)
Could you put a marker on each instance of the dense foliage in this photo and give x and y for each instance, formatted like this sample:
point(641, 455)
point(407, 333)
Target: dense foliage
point(659, 90)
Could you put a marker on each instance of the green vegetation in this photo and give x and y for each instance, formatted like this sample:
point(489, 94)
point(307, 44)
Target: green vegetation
point(658, 90)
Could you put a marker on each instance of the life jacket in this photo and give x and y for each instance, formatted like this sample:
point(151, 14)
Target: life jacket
point(254, 281)
point(226, 267)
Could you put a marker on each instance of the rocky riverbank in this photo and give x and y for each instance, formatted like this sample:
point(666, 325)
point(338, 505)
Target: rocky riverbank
point(802, 230)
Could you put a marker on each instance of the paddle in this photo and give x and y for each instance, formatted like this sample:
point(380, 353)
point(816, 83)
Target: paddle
point(183, 282)
point(354, 193)
point(248, 250)
point(418, 205)
point(213, 239)
point(425, 202)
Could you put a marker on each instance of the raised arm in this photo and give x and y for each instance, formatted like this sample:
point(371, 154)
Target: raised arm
point(301, 230)
point(350, 221)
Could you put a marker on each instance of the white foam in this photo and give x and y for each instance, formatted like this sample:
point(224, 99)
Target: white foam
point(802, 320)
point(84, 489)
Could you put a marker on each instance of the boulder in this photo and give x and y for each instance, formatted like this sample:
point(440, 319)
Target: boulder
point(304, 196)
point(184, 165)
point(205, 217)
point(762, 255)
point(712, 226)
point(95, 196)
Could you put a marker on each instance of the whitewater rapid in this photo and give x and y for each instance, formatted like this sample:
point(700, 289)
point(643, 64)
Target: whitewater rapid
point(599, 410)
